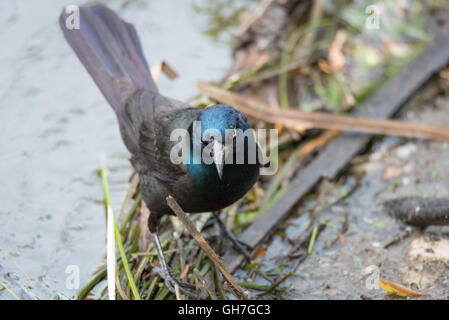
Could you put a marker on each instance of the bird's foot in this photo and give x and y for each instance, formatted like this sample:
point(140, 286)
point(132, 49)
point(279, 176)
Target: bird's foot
point(240, 246)
point(165, 272)
point(171, 282)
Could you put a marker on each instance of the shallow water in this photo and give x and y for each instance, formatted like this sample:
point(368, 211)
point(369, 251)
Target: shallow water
point(54, 123)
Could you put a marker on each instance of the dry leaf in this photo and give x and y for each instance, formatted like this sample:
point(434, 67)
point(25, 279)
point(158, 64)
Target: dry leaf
point(395, 48)
point(335, 55)
point(324, 66)
point(184, 272)
point(259, 252)
point(341, 238)
point(401, 291)
point(392, 172)
point(162, 67)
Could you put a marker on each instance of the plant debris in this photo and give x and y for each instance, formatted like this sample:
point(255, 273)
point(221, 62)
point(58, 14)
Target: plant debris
point(394, 288)
point(419, 211)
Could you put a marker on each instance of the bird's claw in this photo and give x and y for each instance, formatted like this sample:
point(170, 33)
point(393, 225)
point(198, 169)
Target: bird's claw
point(244, 244)
point(240, 246)
point(171, 281)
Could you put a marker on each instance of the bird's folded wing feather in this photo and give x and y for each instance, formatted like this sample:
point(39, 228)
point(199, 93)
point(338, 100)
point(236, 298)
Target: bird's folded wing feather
point(152, 117)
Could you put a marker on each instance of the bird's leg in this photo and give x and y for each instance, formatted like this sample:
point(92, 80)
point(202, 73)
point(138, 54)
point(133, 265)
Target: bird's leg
point(239, 245)
point(167, 273)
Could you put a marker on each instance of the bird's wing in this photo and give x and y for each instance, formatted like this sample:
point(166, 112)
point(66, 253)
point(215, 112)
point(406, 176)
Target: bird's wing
point(111, 51)
point(153, 117)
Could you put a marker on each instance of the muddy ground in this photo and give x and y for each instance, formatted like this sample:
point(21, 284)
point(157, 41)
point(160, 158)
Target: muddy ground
point(360, 241)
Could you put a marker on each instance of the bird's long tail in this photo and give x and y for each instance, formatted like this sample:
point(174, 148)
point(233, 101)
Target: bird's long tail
point(110, 50)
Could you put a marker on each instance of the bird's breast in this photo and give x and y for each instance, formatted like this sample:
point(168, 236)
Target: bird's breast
point(236, 181)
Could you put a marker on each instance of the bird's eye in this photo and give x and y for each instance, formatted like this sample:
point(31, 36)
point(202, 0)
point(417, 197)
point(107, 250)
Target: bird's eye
point(206, 142)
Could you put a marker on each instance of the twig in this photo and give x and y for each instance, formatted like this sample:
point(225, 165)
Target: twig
point(297, 120)
point(119, 288)
point(202, 281)
point(177, 293)
point(276, 284)
point(184, 272)
point(143, 226)
point(205, 246)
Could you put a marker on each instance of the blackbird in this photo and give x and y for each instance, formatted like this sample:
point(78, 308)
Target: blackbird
point(110, 50)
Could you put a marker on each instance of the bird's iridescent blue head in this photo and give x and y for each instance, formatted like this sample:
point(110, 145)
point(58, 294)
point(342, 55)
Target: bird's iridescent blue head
point(222, 117)
point(215, 128)
point(223, 120)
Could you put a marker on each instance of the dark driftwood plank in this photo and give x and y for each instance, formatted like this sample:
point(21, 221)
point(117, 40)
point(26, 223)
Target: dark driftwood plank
point(335, 157)
point(419, 211)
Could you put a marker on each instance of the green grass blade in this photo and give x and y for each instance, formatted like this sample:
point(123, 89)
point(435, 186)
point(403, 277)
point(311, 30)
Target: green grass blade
point(9, 290)
point(107, 199)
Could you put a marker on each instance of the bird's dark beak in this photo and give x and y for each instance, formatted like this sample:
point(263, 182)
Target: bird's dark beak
point(219, 157)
